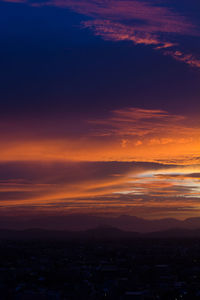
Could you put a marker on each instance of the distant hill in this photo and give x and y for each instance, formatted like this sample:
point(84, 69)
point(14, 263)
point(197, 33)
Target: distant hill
point(94, 234)
point(175, 233)
point(103, 233)
point(75, 222)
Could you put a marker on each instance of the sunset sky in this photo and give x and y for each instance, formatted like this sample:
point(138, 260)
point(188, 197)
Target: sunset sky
point(100, 107)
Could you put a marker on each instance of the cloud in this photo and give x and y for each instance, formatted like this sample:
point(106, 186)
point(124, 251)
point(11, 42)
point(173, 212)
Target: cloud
point(129, 134)
point(171, 182)
point(189, 59)
point(141, 22)
point(97, 187)
point(154, 17)
point(141, 122)
point(44, 184)
point(150, 133)
point(121, 163)
point(144, 35)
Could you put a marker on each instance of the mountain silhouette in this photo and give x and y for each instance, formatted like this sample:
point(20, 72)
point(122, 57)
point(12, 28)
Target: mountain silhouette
point(75, 222)
point(100, 233)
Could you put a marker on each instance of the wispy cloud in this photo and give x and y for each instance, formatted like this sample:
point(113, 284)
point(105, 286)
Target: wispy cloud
point(48, 175)
point(143, 36)
point(108, 187)
point(149, 127)
point(141, 22)
point(129, 134)
point(155, 17)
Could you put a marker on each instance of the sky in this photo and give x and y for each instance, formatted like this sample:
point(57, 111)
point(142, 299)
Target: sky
point(99, 108)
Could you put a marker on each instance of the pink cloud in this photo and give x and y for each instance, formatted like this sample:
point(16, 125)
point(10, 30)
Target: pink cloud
point(150, 22)
point(143, 122)
point(141, 22)
point(143, 35)
point(155, 17)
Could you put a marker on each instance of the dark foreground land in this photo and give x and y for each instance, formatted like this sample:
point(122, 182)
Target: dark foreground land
point(136, 268)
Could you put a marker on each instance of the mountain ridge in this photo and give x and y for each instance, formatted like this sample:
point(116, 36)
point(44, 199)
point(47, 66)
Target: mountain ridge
point(99, 233)
point(77, 222)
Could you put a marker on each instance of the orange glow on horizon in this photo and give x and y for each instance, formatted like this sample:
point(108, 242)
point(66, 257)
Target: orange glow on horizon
point(132, 136)
point(127, 135)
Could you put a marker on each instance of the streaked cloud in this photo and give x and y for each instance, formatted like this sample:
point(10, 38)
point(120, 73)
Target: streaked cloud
point(141, 22)
point(98, 187)
point(143, 36)
point(132, 160)
point(129, 160)
point(130, 134)
point(151, 133)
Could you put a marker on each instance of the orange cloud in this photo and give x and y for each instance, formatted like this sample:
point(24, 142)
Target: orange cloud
point(85, 187)
point(101, 169)
point(74, 186)
point(130, 134)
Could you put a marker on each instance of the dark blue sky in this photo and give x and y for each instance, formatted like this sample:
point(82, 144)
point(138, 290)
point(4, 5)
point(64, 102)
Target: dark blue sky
point(49, 62)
